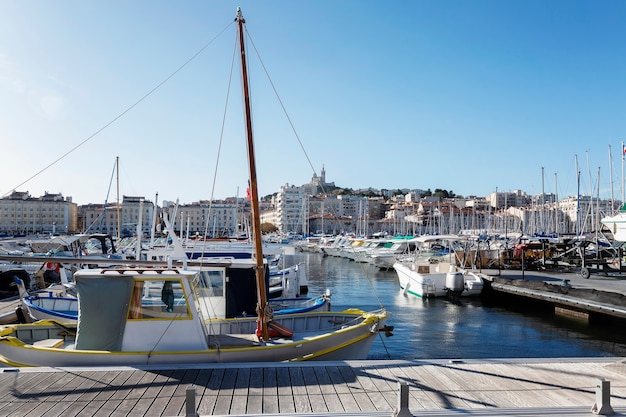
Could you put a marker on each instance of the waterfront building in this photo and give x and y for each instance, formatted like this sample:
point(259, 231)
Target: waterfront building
point(209, 219)
point(290, 206)
point(22, 214)
point(113, 217)
point(584, 213)
point(504, 200)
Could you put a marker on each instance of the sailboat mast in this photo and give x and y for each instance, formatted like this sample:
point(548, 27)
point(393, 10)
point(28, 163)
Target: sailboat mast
point(119, 215)
point(254, 193)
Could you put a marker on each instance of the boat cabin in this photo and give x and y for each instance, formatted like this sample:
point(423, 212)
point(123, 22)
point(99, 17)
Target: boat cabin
point(159, 309)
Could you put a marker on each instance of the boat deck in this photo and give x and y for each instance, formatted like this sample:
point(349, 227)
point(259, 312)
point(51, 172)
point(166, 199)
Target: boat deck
point(478, 388)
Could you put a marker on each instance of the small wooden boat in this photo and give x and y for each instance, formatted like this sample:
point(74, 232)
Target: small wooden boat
point(119, 324)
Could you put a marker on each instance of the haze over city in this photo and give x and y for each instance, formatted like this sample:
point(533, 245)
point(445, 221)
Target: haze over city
point(464, 96)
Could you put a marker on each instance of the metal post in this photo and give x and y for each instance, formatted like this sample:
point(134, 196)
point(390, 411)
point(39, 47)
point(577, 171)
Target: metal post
point(603, 398)
point(403, 401)
point(190, 402)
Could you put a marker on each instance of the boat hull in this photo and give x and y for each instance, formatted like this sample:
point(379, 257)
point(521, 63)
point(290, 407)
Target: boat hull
point(49, 343)
point(425, 285)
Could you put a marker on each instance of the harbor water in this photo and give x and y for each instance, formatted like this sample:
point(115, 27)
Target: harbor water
point(467, 329)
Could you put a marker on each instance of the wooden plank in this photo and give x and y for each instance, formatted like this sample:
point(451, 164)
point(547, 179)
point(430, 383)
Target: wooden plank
point(370, 380)
point(336, 378)
point(20, 408)
point(157, 406)
point(459, 381)
point(421, 391)
point(226, 390)
point(110, 406)
point(100, 388)
point(255, 392)
point(472, 382)
point(239, 403)
point(12, 383)
point(122, 383)
point(210, 379)
point(505, 388)
point(310, 381)
point(91, 408)
point(362, 388)
point(313, 391)
point(152, 398)
point(286, 403)
point(388, 385)
point(331, 398)
point(298, 386)
point(122, 396)
point(185, 379)
point(539, 386)
point(270, 391)
point(175, 397)
point(74, 408)
point(140, 407)
point(135, 399)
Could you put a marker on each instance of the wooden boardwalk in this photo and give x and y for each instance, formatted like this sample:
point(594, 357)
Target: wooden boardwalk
point(479, 387)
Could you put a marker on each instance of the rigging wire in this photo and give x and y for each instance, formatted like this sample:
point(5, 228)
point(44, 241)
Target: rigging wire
point(369, 280)
point(221, 139)
point(204, 302)
point(281, 103)
point(123, 113)
point(286, 113)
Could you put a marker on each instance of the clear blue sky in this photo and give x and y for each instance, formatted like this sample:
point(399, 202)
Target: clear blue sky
point(468, 96)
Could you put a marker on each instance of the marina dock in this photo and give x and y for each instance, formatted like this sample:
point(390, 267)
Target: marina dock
point(533, 387)
point(569, 292)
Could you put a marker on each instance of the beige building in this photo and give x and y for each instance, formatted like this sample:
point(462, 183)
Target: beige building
point(22, 214)
point(113, 217)
point(211, 219)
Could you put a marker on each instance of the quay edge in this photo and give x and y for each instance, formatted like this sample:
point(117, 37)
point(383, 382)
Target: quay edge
point(602, 295)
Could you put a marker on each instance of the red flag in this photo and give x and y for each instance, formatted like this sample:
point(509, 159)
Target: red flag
point(249, 196)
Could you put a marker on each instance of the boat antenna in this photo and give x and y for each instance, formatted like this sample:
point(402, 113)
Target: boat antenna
point(263, 308)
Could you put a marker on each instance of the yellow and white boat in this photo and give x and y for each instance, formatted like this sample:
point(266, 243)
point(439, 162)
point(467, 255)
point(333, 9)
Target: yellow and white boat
point(125, 319)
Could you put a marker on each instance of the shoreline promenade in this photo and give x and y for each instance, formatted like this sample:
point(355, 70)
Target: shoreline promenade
point(506, 387)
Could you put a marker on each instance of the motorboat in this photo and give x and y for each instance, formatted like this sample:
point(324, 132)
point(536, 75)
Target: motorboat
point(429, 272)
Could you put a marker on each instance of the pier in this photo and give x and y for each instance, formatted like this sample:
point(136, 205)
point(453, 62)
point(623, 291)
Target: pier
point(517, 387)
point(568, 291)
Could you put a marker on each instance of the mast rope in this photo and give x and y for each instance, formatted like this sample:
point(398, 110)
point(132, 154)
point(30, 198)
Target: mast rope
point(280, 101)
point(219, 147)
point(123, 113)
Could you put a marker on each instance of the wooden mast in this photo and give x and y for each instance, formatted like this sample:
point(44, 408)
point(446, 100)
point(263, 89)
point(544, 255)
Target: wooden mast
point(262, 306)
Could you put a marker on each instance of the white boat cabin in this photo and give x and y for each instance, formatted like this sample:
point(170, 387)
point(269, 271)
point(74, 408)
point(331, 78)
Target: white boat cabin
point(159, 310)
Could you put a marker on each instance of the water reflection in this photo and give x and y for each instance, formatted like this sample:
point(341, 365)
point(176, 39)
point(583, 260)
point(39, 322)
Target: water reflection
point(467, 329)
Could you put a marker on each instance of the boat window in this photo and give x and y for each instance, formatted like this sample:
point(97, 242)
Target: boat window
point(158, 299)
point(92, 245)
point(209, 283)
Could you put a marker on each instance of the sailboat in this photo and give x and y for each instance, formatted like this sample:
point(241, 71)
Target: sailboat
point(151, 315)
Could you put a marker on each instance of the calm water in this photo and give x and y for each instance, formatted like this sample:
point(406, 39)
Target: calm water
point(440, 329)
